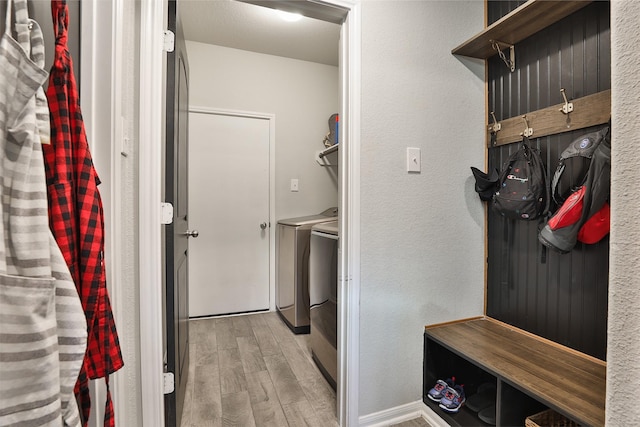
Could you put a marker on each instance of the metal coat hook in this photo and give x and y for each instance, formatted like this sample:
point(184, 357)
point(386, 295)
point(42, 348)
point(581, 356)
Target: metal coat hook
point(568, 106)
point(527, 130)
point(496, 126)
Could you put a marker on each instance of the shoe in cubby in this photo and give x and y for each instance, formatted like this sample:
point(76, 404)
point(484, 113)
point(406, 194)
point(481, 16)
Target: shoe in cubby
point(484, 397)
point(437, 391)
point(453, 399)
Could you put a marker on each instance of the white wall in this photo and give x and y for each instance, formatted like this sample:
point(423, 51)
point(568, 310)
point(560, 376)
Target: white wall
point(301, 94)
point(422, 234)
point(623, 346)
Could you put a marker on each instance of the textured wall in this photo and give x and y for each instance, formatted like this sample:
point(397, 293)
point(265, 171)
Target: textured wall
point(128, 203)
point(623, 364)
point(422, 234)
point(301, 94)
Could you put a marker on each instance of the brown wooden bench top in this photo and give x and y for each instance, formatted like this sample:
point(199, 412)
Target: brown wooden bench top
point(561, 378)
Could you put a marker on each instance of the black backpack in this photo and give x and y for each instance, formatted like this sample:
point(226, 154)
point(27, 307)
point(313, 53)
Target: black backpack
point(573, 165)
point(584, 214)
point(522, 191)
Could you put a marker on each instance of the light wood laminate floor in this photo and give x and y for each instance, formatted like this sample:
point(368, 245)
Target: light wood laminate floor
point(253, 371)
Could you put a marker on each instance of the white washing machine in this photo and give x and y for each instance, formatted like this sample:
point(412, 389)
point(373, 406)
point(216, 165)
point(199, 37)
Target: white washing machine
point(323, 296)
point(292, 268)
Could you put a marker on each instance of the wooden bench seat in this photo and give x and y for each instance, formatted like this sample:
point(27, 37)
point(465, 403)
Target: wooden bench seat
point(565, 380)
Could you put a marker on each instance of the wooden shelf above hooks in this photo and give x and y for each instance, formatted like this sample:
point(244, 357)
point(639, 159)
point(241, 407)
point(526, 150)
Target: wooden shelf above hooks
point(590, 110)
point(516, 26)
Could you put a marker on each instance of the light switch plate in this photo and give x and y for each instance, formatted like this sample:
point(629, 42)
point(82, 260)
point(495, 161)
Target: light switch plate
point(294, 185)
point(413, 159)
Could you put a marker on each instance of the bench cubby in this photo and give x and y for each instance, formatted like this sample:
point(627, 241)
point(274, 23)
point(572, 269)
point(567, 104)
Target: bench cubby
point(531, 374)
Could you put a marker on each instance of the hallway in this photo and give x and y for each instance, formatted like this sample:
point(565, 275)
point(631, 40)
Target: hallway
point(253, 371)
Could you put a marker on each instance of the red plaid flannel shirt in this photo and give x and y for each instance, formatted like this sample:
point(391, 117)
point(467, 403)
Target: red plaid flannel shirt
point(76, 217)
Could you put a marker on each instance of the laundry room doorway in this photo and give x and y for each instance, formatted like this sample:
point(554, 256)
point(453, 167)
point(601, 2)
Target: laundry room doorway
point(229, 200)
point(347, 14)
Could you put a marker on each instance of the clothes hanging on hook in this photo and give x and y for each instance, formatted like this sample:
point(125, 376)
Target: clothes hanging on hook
point(43, 326)
point(76, 217)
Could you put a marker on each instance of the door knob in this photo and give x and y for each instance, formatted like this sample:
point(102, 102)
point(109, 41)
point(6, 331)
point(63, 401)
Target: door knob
point(263, 225)
point(192, 233)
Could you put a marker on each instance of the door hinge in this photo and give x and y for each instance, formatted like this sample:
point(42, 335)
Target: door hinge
point(168, 382)
point(167, 213)
point(168, 41)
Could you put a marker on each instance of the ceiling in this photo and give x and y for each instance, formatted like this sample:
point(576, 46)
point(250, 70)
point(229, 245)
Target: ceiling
point(259, 29)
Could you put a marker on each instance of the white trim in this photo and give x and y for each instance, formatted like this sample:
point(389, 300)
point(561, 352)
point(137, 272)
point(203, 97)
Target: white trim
point(119, 383)
point(235, 113)
point(349, 205)
point(272, 184)
point(432, 417)
point(150, 179)
point(401, 414)
point(397, 415)
point(101, 38)
point(87, 56)
point(88, 88)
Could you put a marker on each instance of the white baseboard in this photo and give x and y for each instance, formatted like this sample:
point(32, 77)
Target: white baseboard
point(432, 417)
point(402, 413)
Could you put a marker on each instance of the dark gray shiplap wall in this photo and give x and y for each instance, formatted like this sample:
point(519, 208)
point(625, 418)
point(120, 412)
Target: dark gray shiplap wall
point(563, 298)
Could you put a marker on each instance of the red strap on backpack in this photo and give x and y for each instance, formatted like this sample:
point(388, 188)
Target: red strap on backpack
point(570, 211)
point(596, 227)
point(593, 230)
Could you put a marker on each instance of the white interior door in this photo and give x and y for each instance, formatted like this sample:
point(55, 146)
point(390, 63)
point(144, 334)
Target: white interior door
point(229, 205)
